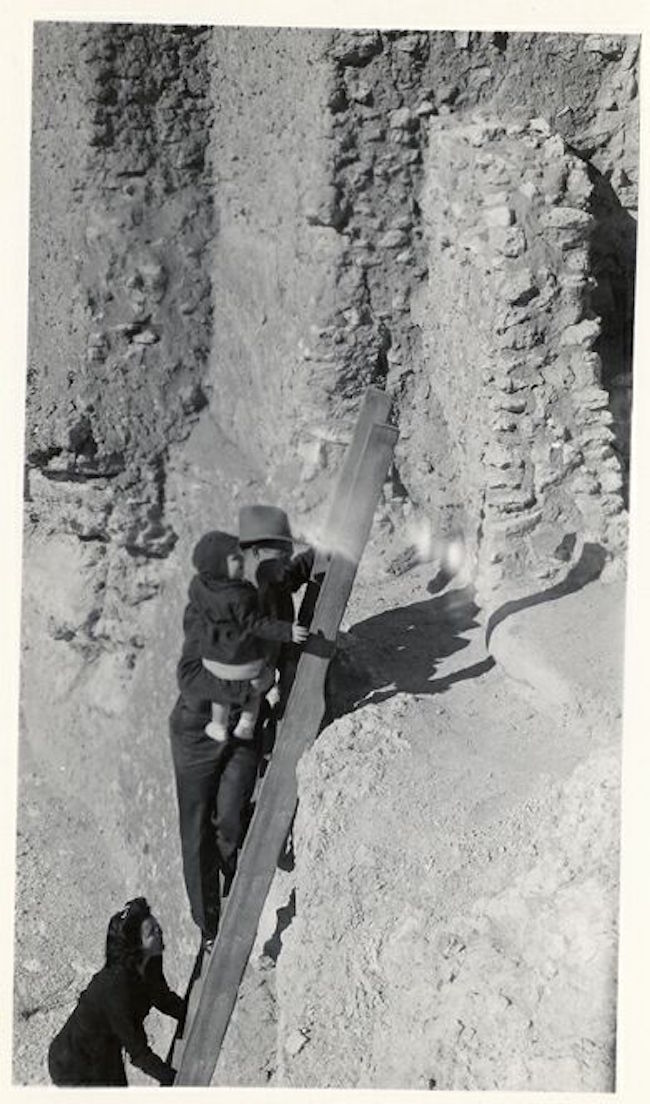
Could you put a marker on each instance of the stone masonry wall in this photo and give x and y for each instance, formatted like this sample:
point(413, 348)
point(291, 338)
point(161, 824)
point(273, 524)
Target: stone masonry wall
point(141, 199)
point(238, 252)
point(383, 91)
point(57, 319)
point(272, 264)
point(105, 403)
point(509, 336)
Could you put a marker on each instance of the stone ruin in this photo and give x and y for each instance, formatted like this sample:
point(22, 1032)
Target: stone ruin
point(233, 232)
point(509, 343)
point(224, 248)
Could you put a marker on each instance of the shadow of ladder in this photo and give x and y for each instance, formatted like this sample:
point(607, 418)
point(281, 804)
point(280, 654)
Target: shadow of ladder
point(213, 988)
point(192, 999)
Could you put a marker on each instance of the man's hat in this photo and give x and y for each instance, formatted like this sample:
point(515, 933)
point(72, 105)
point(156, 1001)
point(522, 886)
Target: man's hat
point(259, 524)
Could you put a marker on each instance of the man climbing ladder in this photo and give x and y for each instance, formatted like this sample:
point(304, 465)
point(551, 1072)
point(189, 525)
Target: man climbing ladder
point(350, 519)
point(216, 766)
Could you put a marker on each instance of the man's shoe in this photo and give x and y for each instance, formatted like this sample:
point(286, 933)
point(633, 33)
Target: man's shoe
point(207, 943)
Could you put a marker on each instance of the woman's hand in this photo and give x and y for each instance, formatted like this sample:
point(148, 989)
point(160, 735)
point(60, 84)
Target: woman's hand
point(168, 1077)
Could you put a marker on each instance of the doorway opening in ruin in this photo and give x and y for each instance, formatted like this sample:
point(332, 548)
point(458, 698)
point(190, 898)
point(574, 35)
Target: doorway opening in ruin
point(613, 259)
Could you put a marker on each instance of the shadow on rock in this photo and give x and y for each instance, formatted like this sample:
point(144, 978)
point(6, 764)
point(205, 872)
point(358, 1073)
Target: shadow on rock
point(588, 568)
point(284, 916)
point(399, 650)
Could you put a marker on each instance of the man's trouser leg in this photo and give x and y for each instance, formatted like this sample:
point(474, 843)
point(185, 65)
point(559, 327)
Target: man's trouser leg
point(236, 785)
point(197, 765)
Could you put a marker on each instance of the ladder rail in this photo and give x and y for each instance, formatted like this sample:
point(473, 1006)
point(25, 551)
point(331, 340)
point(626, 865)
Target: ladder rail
point(375, 409)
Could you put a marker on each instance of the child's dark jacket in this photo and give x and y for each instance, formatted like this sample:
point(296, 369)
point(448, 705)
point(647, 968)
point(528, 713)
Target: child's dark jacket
point(225, 617)
point(222, 620)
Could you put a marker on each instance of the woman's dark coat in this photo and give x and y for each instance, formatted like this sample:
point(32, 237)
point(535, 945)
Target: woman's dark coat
point(108, 1019)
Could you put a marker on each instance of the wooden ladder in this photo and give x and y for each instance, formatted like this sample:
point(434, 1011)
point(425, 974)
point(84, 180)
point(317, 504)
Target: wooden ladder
point(213, 992)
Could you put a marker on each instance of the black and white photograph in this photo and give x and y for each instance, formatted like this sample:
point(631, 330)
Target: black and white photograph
point(328, 482)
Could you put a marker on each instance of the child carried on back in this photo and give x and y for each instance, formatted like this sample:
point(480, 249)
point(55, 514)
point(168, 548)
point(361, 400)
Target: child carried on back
point(229, 645)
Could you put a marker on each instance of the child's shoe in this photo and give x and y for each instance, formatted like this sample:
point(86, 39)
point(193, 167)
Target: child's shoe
point(245, 727)
point(216, 731)
point(273, 696)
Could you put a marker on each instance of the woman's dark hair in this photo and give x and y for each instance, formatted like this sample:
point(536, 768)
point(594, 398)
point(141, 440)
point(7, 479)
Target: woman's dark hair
point(123, 938)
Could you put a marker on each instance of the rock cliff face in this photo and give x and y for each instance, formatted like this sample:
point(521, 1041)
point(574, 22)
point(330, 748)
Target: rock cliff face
point(464, 942)
point(456, 860)
point(235, 231)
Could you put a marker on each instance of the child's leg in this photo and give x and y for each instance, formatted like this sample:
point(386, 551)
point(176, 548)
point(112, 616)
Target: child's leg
point(251, 708)
point(273, 696)
point(264, 680)
point(218, 727)
point(245, 726)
